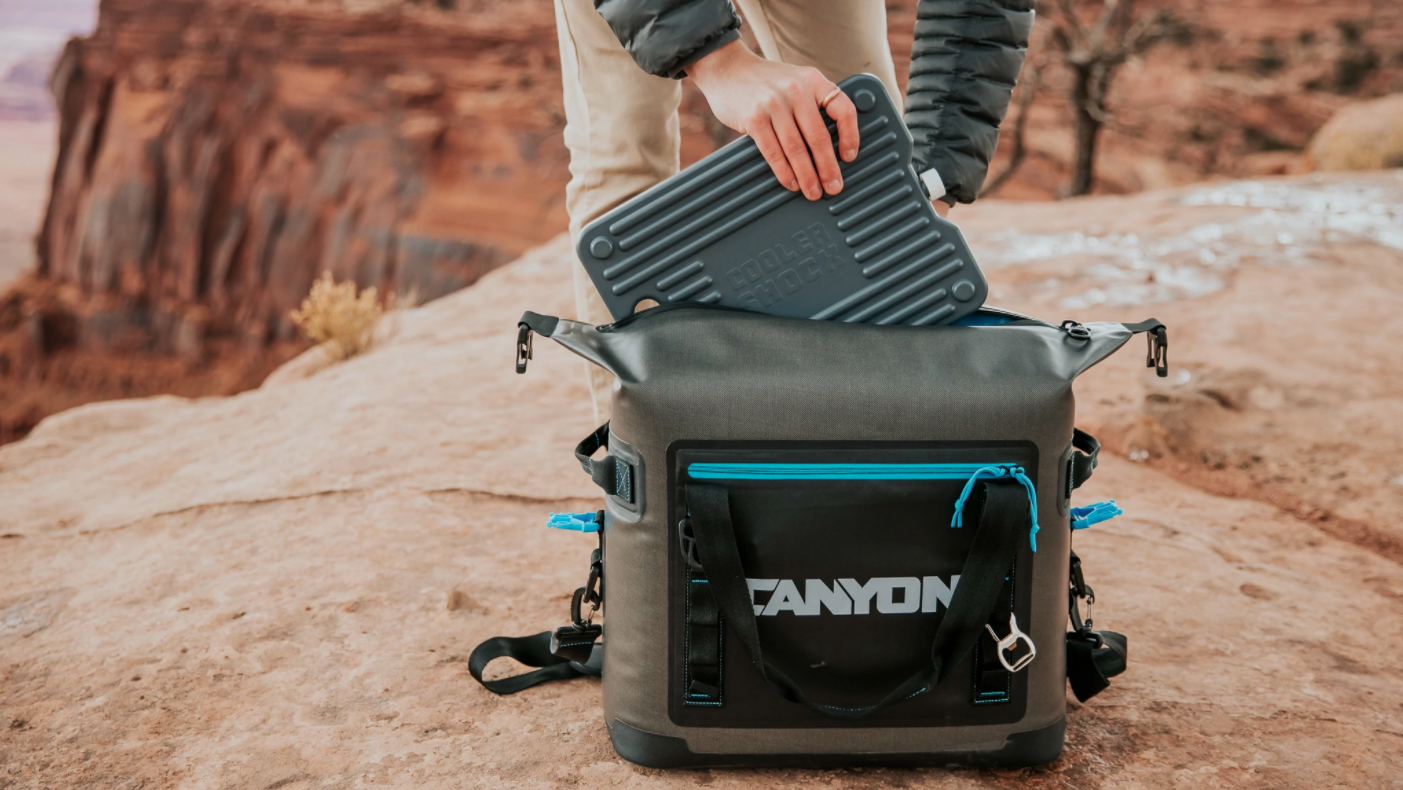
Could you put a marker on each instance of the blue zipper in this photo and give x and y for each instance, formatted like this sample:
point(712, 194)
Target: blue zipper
point(834, 471)
point(970, 473)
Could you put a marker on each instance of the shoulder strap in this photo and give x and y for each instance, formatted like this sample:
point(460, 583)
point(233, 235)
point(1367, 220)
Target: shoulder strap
point(1093, 659)
point(999, 509)
point(533, 651)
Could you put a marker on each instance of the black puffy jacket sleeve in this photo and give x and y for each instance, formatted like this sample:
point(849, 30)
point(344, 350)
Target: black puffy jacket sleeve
point(964, 62)
point(666, 36)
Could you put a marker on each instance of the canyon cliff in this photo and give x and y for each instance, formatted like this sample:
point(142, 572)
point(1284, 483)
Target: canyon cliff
point(214, 157)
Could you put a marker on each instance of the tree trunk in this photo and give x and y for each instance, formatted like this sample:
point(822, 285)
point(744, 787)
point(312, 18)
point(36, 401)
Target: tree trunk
point(1088, 117)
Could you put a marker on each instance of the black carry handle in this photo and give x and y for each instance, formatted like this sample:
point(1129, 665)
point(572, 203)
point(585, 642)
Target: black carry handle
point(1002, 524)
point(610, 473)
point(1087, 453)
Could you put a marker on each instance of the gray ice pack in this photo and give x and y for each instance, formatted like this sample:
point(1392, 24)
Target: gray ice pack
point(724, 231)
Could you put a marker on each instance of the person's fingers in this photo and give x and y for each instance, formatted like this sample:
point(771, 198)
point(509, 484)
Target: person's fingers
point(763, 134)
point(841, 109)
point(797, 151)
point(821, 145)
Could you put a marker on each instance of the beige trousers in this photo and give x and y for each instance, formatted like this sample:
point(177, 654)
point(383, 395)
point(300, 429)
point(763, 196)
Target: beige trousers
point(621, 122)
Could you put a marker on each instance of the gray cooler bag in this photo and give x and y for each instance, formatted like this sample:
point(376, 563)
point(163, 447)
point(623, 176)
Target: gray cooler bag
point(830, 543)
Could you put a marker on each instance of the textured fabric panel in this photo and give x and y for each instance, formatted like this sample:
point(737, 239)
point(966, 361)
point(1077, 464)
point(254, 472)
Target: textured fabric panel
point(699, 374)
point(964, 61)
point(665, 36)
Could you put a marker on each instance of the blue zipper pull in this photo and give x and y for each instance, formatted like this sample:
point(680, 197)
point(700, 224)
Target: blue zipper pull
point(995, 472)
point(575, 522)
point(1083, 517)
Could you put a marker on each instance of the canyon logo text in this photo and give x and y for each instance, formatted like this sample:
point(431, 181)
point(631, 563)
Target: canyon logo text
point(882, 594)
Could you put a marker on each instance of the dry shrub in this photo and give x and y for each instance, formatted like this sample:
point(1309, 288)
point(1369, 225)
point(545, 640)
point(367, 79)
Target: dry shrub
point(337, 317)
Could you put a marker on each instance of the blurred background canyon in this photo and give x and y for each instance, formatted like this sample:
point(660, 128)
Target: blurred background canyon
point(281, 589)
point(175, 175)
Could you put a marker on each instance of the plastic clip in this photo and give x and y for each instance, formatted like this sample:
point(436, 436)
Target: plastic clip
point(1083, 517)
point(575, 522)
point(523, 346)
point(1158, 355)
point(1008, 643)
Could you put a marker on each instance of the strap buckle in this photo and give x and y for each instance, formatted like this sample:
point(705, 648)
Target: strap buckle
point(523, 346)
point(575, 642)
point(592, 593)
point(1008, 643)
point(1157, 356)
point(687, 541)
point(1079, 590)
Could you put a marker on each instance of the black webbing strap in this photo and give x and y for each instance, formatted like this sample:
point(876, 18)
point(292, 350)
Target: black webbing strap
point(533, 651)
point(1157, 336)
point(1086, 452)
point(612, 474)
point(993, 683)
point(703, 681)
point(1092, 659)
point(1002, 523)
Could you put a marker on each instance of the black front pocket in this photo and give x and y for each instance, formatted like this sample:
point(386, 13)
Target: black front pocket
point(851, 560)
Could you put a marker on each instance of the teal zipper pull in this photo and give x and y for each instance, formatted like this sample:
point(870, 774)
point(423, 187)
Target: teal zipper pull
point(996, 472)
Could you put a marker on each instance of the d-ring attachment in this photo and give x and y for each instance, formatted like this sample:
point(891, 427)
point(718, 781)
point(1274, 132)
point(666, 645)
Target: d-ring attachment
point(1008, 643)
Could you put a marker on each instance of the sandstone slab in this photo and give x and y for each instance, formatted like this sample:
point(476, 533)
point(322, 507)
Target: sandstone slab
point(280, 589)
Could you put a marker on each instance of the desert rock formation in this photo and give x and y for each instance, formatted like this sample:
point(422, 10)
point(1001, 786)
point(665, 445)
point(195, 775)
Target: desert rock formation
point(1363, 136)
point(215, 156)
point(280, 589)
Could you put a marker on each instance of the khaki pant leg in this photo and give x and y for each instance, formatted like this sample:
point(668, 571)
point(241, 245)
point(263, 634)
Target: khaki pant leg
point(838, 37)
point(622, 133)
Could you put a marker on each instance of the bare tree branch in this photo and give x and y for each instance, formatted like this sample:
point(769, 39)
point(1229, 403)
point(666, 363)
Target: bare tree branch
point(1069, 16)
point(1093, 57)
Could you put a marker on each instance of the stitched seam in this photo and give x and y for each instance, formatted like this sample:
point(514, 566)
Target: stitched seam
point(687, 649)
point(978, 651)
point(687, 636)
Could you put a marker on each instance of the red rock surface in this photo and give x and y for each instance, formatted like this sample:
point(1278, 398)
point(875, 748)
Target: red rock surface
point(280, 589)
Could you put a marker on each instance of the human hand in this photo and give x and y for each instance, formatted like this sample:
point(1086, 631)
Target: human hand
point(778, 106)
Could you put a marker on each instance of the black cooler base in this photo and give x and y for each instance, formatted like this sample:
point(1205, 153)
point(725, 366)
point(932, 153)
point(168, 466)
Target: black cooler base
point(1035, 747)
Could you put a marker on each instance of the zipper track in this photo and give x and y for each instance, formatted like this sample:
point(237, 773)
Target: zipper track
point(1015, 318)
point(742, 471)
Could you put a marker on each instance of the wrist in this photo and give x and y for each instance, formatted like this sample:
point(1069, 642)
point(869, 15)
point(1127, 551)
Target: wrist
point(722, 60)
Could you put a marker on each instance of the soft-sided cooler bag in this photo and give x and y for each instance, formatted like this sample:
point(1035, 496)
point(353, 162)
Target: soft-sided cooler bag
point(830, 543)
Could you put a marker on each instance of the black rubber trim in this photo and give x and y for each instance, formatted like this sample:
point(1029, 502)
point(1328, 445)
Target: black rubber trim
point(1020, 750)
